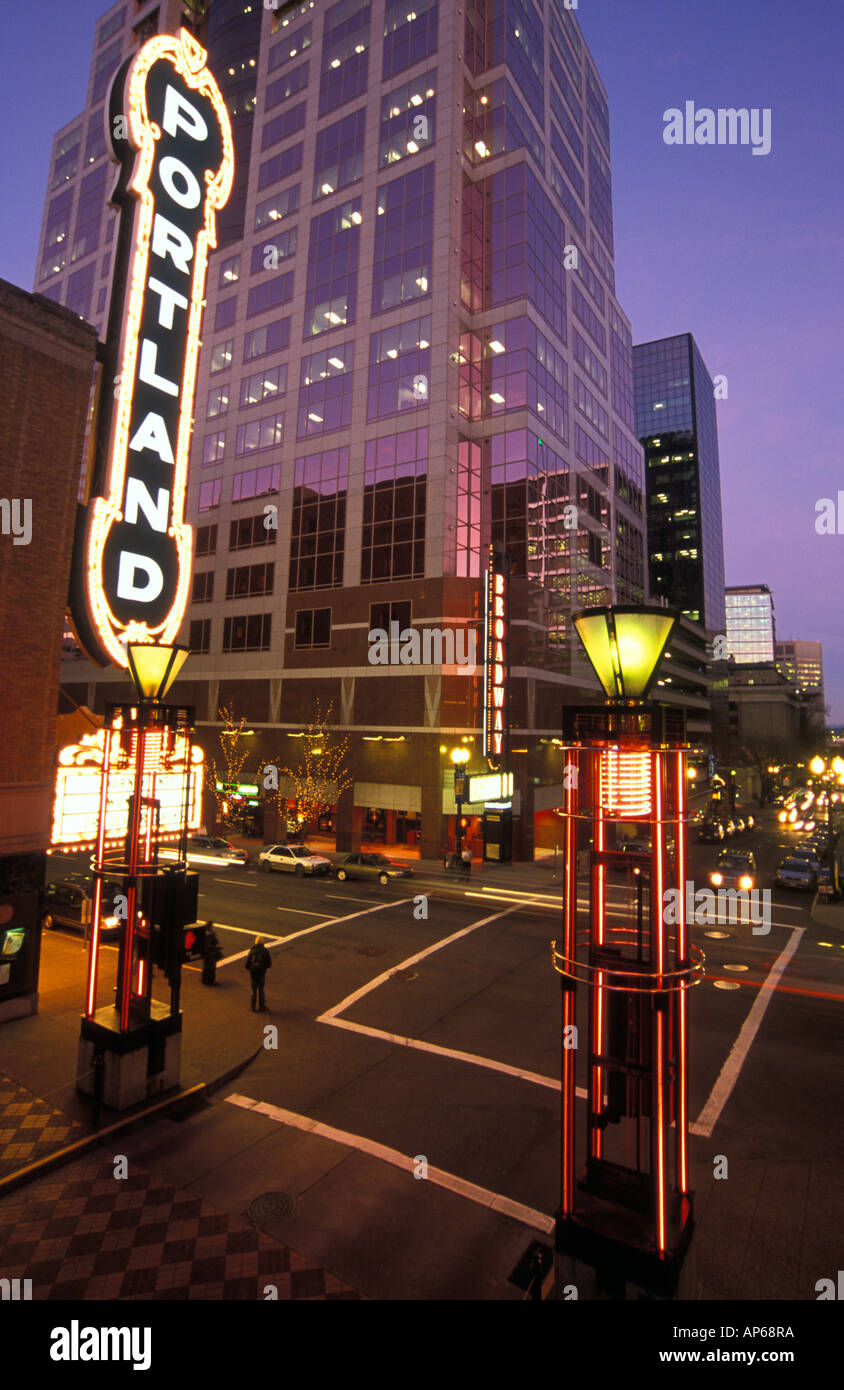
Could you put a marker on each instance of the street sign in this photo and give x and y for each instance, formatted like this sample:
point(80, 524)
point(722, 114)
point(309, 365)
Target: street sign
point(461, 785)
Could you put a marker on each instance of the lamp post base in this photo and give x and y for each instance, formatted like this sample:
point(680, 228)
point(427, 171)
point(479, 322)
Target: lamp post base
point(124, 1069)
point(602, 1252)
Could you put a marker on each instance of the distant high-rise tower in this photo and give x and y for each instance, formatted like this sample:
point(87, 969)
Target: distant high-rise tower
point(751, 628)
point(802, 664)
point(676, 424)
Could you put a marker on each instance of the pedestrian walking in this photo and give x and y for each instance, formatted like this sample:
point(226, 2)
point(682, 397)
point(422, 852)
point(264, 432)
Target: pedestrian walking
point(258, 963)
point(211, 953)
point(466, 860)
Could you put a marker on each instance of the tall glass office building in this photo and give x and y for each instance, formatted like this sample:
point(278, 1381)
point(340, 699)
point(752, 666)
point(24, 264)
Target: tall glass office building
point(676, 423)
point(751, 626)
point(412, 348)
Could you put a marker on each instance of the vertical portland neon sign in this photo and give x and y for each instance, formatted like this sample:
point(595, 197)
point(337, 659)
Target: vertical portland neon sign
point(497, 659)
point(171, 134)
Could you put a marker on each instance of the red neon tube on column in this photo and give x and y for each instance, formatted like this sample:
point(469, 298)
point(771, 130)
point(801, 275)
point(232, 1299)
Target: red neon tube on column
point(682, 951)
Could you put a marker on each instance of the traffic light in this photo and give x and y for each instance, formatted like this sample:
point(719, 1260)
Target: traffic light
point(175, 902)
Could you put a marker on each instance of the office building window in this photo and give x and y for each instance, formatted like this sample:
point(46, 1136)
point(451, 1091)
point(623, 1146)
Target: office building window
point(394, 507)
point(247, 634)
point(229, 271)
point(332, 278)
point(95, 139)
point(296, 80)
point(279, 206)
point(221, 355)
point(248, 531)
point(290, 47)
point(255, 435)
point(410, 34)
point(80, 289)
point(225, 313)
point(345, 54)
point(268, 254)
point(325, 390)
point(66, 157)
point(209, 494)
point(270, 337)
point(317, 538)
point(256, 482)
point(404, 229)
point(381, 615)
point(281, 166)
point(263, 386)
point(203, 587)
point(56, 234)
point(213, 448)
point(282, 126)
point(250, 581)
point(199, 640)
point(399, 368)
point(106, 64)
point(269, 295)
point(408, 117)
point(338, 160)
point(206, 541)
point(218, 402)
point(312, 628)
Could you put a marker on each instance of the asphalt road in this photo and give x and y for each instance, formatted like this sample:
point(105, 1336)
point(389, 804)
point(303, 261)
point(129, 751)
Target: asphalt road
point(407, 1040)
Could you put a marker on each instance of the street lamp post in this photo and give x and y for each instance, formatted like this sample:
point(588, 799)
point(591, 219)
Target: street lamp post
point(818, 768)
point(460, 757)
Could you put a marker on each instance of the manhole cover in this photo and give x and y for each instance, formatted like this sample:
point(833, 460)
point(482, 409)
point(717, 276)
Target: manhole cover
point(718, 935)
point(271, 1206)
point(406, 974)
point(726, 984)
point(372, 951)
point(736, 967)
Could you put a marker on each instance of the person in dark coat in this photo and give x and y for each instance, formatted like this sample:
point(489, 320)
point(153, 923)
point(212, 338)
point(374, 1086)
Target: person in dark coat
point(211, 953)
point(258, 963)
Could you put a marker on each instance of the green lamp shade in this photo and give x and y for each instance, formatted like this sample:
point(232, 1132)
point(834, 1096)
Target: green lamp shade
point(624, 645)
point(153, 668)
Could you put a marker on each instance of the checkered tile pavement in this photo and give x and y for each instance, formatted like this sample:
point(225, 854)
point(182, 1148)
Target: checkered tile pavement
point(83, 1234)
point(29, 1127)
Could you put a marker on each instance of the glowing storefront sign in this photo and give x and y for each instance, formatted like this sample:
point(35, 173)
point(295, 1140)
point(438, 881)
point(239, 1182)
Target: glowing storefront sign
point(171, 134)
point(493, 786)
point(79, 786)
point(497, 659)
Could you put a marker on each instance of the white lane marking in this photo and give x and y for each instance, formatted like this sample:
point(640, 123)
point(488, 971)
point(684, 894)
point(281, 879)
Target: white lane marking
point(474, 1059)
point(346, 898)
point(723, 1088)
point(494, 1201)
point(302, 911)
point(236, 882)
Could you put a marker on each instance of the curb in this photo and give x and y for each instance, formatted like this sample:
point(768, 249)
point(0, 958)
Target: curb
point(189, 1099)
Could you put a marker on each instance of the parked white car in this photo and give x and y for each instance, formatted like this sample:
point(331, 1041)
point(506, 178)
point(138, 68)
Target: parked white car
point(295, 859)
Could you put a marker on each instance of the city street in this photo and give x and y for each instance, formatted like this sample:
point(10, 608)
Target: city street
point(405, 1042)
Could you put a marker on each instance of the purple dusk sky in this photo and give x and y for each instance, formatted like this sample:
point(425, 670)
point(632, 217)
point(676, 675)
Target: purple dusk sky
point(744, 251)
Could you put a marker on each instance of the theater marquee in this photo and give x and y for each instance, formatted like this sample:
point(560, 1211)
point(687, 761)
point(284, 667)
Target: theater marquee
point(171, 134)
point(496, 722)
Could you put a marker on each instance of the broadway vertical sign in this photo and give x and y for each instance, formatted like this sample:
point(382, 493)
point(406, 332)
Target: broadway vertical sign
point(170, 132)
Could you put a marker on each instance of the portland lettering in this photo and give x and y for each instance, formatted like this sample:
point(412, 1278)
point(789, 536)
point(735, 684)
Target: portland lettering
point(170, 131)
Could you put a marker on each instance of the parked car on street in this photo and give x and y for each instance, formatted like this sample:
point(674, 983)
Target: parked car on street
point(293, 859)
point(734, 868)
point(809, 855)
point(795, 873)
point(70, 903)
point(371, 866)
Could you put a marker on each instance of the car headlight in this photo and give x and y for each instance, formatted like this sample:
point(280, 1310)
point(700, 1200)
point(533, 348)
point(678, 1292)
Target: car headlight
point(111, 922)
point(783, 816)
point(745, 881)
point(716, 879)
